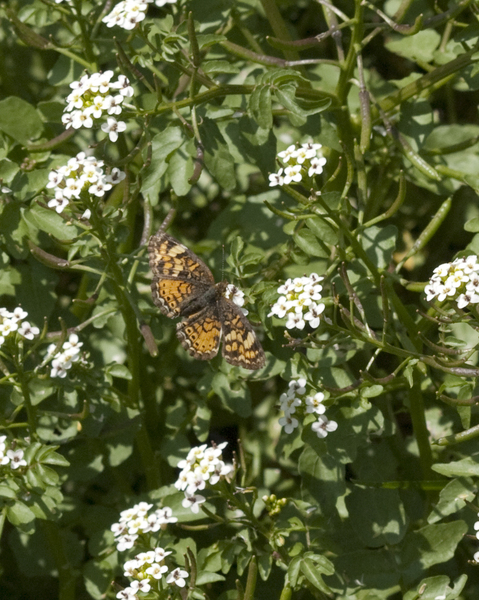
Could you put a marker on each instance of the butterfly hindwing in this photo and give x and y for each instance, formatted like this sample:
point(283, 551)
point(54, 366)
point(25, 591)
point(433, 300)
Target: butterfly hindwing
point(241, 347)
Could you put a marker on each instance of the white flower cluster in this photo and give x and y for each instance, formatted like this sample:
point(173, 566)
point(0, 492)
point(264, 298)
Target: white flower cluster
point(81, 173)
point(299, 302)
point(12, 457)
point(92, 99)
point(457, 281)
point(202, 465)
point(128, 13)
point(70, 353)
point(476, 527)
point(307, 160)
point(146, 568)
point(136, 521)
point(12, 322)
point(293, 403)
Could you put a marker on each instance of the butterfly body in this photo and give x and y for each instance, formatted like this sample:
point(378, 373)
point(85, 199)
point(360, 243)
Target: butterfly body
point(184, 286)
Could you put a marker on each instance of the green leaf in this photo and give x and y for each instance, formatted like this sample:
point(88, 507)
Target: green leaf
point(235, 396)
point(430, 545)
point(205, 577)
point(180, 169)
point(19, 514)
point(418, 47)
point(307, 241)
point(162, 147)
point(49, 221)
point(120, 371)
point(7, 492)
point(322, 230)
point(379, 244)
point(261, 107)
point(310, 571)
point(466, 467)
point(218, 158)
point(377, 516)
point(19, 120)
point(452, 499)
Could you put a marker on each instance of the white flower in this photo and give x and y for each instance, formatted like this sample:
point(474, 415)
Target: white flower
point(126, 542)
point(323, 426)
point(59, 202)
point(16, 458)
point(163, 2)
point(27, 331)
point(295, 320)
point(314, 404)
point(288, 404)
point(314, 314)
point(316, 166)
point(140, 586)
point(236, 295)
point(131, 568)
point(8, 326)
point(281, 307)
point(161, 554)
point(292, 173)
point(297, 386)
point(113, 127)
point(276, 178)
point(289, 423)
point(127, 594)
point(287, 154)
point(193, 502)
point(156, 571)
point(177, 577)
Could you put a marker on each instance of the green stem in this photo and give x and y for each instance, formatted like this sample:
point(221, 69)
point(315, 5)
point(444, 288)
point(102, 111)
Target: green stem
point(278, 26)
point(66, 573)
point(464, 436)
point(421, 432)
point(430, 81)
point(251, 581)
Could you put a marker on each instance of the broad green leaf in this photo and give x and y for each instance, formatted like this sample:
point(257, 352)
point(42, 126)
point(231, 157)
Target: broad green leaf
point(431, 588)
point(377, 516)
point(218, 159)
point(49, 221)
point(452, 498)
point(19, 120)
point(466, 467)
point(379, 243)
point(430, 545)
point(180, 169)
point(323, 230)
point(19, 514)
point(309, 244)
point(420, 46)
point(120, 371)
point(310, 571)
point(163, 146)
point(322, 479)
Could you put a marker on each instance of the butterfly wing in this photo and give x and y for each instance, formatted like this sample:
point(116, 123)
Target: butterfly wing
point(241, 347)
point(179, 276)
point(200, 333)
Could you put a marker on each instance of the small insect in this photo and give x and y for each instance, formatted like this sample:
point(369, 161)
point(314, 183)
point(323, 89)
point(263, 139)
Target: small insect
point(183, 286)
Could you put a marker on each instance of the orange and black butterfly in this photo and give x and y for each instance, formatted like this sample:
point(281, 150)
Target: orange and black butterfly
point(183, 286)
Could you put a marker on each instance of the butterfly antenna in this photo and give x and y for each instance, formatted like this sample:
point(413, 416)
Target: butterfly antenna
point(168, 219)
point(223, 264)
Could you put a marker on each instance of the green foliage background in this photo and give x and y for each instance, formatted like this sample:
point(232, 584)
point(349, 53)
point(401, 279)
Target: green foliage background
point(383, 507)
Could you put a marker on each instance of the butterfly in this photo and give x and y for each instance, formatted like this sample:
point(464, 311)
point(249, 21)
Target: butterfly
point(183, 286)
